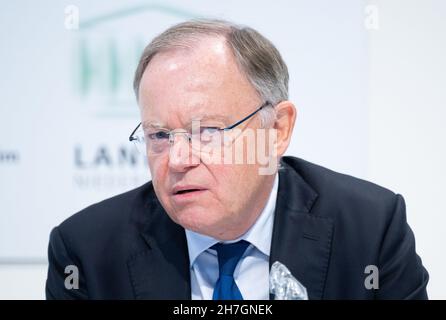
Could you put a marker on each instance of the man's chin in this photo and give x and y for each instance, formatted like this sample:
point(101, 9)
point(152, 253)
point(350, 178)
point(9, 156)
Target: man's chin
point(197, 221)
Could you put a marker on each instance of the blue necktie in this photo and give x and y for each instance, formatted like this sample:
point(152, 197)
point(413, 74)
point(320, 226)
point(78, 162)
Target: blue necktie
point(228, 258)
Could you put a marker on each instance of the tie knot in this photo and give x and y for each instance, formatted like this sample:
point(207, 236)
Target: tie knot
point(229, 255)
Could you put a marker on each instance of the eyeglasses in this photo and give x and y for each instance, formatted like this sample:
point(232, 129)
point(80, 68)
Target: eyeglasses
point(158, 140)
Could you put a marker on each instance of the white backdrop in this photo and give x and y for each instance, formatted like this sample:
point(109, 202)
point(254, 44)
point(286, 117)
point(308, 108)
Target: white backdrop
point(66, 107)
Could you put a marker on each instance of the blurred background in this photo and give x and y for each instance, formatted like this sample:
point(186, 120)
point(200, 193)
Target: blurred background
point(368, 79)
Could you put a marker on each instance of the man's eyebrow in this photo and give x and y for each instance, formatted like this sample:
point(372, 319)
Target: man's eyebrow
point(205, 117)
point(152, 125)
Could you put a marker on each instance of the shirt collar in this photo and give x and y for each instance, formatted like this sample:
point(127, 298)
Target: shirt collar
point(259, 235)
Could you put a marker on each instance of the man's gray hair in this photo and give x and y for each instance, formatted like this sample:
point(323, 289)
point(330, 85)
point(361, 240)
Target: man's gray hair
point(256, 56)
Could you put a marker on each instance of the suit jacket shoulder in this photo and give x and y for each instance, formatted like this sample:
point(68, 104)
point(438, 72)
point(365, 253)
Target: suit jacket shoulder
point(364, 226)
point(99, 241)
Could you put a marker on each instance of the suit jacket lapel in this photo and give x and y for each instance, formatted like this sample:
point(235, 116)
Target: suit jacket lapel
point(161, 270)
point(301, 240)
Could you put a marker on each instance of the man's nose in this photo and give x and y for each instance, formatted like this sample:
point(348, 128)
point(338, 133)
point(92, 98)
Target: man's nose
point(181, 155)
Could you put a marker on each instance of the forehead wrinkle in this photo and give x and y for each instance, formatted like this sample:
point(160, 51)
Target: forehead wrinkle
point(217, 117)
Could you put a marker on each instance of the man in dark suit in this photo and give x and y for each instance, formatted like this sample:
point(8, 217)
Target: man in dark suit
point(208, 228)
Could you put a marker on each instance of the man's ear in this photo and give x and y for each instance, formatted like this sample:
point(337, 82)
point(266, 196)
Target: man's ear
point(286, 114)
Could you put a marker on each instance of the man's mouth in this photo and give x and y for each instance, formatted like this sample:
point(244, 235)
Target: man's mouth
point(186, 190)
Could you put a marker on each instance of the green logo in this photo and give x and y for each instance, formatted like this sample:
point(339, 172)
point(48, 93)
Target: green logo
point(107, 52)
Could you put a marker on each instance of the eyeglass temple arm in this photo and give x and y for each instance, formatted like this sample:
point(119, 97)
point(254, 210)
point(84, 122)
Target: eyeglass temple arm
point(131, 138)
point(247, 117)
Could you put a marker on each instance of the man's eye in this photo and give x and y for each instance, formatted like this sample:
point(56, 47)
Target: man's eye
point(159, 135)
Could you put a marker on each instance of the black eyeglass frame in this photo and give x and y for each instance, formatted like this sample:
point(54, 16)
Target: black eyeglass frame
point(232, 126)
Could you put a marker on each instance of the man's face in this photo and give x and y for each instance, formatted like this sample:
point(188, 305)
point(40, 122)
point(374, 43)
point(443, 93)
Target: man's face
point(202, 83)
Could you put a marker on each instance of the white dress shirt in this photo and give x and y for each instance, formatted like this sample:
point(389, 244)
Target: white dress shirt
point(252, 272)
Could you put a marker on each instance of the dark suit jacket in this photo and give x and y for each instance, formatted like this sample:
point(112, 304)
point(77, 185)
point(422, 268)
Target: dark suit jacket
point(327, 228)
